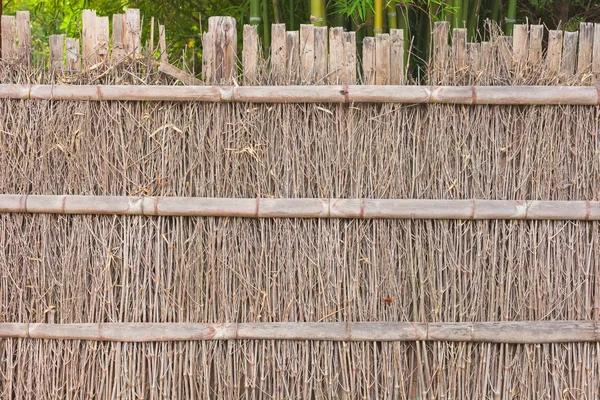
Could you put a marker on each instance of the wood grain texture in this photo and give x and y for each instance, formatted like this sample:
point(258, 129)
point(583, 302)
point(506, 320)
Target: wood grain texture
point(9, 46)
point(73, 55)
point(24, 38)
point(57, 53)
point(279, 54)
point(382, 59)
point(250, 54)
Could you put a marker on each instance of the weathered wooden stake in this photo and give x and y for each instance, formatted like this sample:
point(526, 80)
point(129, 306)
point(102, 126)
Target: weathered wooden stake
point(307, 53)
point(133, 32)
point(57, 53)
point(9, 49)
point(73, 55)
point(88, 37)
point(250, 55)
point(382, 59)
point(278, 54)
point(24, 38)
point(397, 57)
point(222, 44)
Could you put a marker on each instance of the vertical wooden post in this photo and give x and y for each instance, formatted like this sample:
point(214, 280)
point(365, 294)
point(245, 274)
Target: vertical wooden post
point(278, 53)
point(250, 55)
point(459, 47)
point(569, 55)
point(102, 41)
point(224, 48)
point(24, 37)
point(320, 54)
point(336, 54)
point(520, 44)
point(73, 55)
point(382, 59)
point(536, 33)
point(596, 54)
point(118, 38)
point(349, 65)
point(9, 50)
point(554, 52)
point(293, 56)
point(133, 32)
point(441, 52)
point(586, 43)
point(307, 53)
point(208, 57)
point(162, 42)
point(368, 60)
point(57, 53)
point(88, 37)
point(397, 56)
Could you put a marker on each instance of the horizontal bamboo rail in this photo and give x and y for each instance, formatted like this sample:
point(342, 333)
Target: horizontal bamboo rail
point(303, 207)
point(493, 332)
point(551, 95)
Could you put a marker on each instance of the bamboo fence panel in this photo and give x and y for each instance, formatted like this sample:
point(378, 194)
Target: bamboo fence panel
point(91, 269)
point(531, 332)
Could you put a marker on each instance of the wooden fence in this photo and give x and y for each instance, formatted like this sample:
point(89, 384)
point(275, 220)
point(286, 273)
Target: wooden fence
point(319, 55)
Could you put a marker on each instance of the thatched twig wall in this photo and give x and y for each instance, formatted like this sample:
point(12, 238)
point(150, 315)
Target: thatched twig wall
point(303, 207)
point(501, 95)
point(491, 332)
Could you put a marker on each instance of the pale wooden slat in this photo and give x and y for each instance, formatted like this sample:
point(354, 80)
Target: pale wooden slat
point(459, 47)
point(554, 52)
point(307, 53)
point(225, 48)
point(569, 55)
point(278, 53)
point(320, 54)
point(249, 55)
point(586, 45)
point(57, 53)
point(208, 55)
point(536, 33)
point(162, 42)
point(368, 61)
point(73, 55)
point(88, 37)
point(102, 39)
point(596, 54)
point(24, 37)
point(441, 51)
point(133, 32)
point(520, 45)
point(397, 57)
point(119, 42)
point(349, 64)
point(9, 45)
point(293, 56)
point(336, 55)
point(382, 59)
